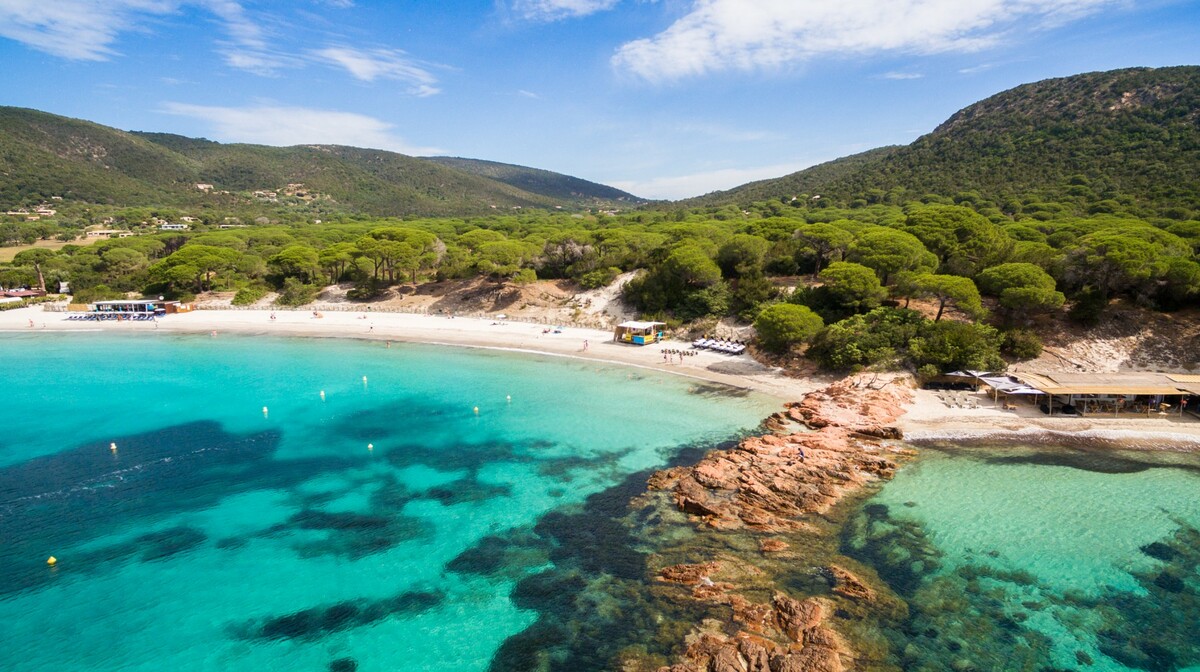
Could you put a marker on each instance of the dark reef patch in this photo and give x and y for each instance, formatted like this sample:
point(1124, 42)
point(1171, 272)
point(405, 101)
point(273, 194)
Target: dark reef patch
point(718, 391)
point(467, 491)
point(317, 622)
point(597, 601)
point(1160, 551)
point(506, 556)
point(1102, 463)
point(343, 665)
point(160, 545)
point(352, 535)
point(55, 503)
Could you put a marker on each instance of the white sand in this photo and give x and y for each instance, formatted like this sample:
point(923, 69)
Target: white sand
point(739, 371)
point(929, 417)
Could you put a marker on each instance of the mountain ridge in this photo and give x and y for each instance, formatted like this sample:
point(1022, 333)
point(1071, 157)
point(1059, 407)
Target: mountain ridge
point(43, 155)
point(1132, 132)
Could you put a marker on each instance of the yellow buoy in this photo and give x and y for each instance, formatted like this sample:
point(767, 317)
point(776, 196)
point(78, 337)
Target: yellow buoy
point(476, 410)
point(52, 561)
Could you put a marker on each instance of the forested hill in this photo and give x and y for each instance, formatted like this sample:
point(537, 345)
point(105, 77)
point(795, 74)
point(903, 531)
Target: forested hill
point(538, 181)
point(1130, 134)
point(44, 155)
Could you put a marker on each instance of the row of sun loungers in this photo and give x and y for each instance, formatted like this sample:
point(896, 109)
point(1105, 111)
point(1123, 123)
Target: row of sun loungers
point(727, 347)
point(110, 316)
point(955, 399)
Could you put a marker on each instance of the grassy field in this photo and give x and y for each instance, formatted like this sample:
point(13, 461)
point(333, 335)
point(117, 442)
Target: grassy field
point(8, 253)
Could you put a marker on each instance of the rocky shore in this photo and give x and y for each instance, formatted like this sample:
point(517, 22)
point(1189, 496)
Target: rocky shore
point(779, 488)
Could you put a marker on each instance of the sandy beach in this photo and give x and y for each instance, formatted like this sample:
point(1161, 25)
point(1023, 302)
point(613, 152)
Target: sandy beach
point(927, 417)
point(740, 371)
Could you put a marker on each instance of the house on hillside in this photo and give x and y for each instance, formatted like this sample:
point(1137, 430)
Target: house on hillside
point(167, 226)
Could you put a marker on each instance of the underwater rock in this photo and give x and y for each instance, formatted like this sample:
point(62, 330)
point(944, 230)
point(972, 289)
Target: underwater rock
point(797, 616)
point(849, 585)
point(772, 546)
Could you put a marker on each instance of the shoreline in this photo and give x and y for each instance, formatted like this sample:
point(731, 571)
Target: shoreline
point(470, 332)
point(924, 418)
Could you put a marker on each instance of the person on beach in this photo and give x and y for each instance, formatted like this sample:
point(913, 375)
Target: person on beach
point(272, 316)
point(585, 345)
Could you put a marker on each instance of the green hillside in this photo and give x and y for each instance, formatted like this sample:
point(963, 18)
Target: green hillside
point(44, 155)
point(1132, 134)
point(538, 181)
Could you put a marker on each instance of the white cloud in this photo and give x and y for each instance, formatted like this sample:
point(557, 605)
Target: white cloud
point(721, 35)
point(697, 184)
point(246, 46)
point(82, 30)
point(901, 75)
point(553, 10)
point(976, 68)
point(87, 29)
point(528, 94)
point(382, 64)
point(286, 126)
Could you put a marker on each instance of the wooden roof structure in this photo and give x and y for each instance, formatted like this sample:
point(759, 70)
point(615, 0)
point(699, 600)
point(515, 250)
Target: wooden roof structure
point(1132, 382)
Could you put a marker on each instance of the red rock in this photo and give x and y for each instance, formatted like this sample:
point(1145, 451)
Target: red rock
point(756, 652)
point(772, 545)
point(795, 616)
point(727, 659)
point(849, 585)
point(689, 575)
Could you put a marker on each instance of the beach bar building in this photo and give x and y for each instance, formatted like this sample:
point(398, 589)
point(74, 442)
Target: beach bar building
point(1124, 393)
point(140, 307)
point(639, 333)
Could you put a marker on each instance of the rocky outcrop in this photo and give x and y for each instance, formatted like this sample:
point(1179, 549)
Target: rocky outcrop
point(769, 484)
point(787, 635)
point(848, 585)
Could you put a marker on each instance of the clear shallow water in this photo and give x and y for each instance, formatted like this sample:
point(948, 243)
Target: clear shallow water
point(1058, 557)
point(220, 537)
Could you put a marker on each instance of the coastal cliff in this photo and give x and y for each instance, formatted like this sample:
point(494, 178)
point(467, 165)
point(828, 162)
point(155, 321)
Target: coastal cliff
point(779, 488)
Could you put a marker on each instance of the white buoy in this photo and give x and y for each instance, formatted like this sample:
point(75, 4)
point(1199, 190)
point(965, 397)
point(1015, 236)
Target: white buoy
point(322, 395)
point(508, 398)
point(264, 411)
point(476, 410)
point(370, 446)
point(112, 447)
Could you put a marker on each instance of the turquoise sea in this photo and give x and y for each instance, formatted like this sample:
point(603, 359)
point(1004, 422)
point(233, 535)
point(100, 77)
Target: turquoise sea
point(1063, 556)
point(246, 521)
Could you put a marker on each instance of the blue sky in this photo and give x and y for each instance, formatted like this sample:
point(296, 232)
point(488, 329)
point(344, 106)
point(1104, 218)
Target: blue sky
point(663, 98)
